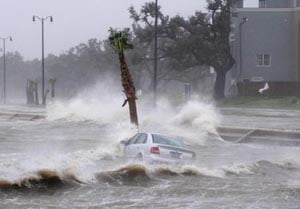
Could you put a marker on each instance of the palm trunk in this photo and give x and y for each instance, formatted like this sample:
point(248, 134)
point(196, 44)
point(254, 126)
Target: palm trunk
point(52, 91)
point(31, 92)
point(28, 92)
point(36, 93)
point(133, 111)
point(129, 89)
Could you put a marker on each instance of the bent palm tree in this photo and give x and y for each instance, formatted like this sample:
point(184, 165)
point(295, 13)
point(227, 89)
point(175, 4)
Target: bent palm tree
point(119, 40)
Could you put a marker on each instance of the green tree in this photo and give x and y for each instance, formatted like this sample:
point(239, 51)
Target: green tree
point(204, 40)
point(119, 40)
point(200, 40)
point(175, 62)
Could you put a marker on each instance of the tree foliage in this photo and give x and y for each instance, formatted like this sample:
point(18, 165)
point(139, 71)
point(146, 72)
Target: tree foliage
point(119, 40)
point(175, 62)
point(200, 40)
point(186, 47)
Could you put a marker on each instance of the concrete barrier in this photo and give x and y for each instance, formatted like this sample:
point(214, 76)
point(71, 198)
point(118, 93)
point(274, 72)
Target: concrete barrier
point(22, 116)
point(260, 135)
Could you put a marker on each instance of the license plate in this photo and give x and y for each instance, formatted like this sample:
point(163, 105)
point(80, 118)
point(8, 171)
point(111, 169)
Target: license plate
point(176, 155)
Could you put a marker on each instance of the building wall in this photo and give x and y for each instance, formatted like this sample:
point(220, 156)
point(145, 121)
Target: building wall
point(266, 32)
point(239, 4)
point(296, 43)
point(271, 3)
point(279, 3)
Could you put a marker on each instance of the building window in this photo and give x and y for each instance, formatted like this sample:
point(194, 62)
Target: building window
point(240, 3)
point(263, 60)
point(262, 4)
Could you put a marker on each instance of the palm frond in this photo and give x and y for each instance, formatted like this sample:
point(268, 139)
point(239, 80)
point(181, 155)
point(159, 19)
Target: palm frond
point(120, 40)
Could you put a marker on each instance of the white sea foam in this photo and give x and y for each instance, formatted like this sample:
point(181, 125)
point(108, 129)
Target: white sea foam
point(102, 104)
point(238, 169)
point(197, 115)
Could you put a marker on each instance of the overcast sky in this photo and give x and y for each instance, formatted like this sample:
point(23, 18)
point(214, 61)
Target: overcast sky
point(75, 21)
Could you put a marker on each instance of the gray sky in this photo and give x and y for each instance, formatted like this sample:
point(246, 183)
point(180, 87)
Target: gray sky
point(75, 21)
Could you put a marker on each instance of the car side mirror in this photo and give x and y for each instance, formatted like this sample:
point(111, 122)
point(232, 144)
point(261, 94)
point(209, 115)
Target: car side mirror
point(123, 142)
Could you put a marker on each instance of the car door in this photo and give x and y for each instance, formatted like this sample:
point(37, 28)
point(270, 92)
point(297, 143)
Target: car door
point(139, 144)
point(129, 147)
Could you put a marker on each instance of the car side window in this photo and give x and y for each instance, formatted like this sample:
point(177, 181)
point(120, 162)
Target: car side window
point(142, 139)
point(145, 139)
point(158, 139)
point(133, 139)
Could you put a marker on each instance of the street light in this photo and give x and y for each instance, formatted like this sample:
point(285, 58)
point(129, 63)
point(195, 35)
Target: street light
point(4, 67)
point(244, 20)
point(42, 19)
point(155, 54)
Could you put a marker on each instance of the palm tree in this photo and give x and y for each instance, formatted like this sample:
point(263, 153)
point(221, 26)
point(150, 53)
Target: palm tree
point(119, 40)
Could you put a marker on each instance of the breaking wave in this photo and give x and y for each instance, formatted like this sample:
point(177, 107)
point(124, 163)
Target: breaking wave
point(41, 179)
point(192, 121)
point(260, 167)
point(129, 174)
point(239, 169)
point(139, 174)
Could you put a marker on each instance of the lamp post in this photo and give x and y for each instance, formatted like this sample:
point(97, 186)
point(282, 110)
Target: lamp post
point(42, 19)
point(4, 67)
point(155, 54)
point(244, 20)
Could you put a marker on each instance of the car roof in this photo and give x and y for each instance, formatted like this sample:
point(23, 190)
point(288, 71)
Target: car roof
point(151, 133)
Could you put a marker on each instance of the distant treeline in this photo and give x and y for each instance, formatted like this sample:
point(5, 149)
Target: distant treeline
point(186, 49)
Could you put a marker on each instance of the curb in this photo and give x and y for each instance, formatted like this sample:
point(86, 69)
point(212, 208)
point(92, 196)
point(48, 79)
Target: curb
point(260, 135)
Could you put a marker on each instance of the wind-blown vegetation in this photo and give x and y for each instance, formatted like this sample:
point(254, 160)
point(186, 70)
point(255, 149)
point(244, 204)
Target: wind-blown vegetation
point(187, 47)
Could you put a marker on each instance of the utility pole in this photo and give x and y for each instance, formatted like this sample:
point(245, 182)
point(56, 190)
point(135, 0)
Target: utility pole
point(42, 19)
point(155, 54)
point(4, 67)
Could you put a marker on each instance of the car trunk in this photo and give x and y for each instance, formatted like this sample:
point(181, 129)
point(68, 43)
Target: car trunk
point(175, 153)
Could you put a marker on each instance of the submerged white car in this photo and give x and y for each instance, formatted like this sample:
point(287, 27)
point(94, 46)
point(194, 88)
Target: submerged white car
point(155, 148)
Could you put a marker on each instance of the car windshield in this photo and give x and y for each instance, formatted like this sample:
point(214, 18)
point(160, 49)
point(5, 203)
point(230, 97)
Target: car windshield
point(159, 139)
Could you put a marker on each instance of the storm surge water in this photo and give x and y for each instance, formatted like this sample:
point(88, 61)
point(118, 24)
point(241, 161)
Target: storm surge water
point(73, 159)
point(79, 132)
point(101, 104)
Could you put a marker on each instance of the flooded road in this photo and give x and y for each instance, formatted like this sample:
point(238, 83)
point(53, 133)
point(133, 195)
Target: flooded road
point(72, 159)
